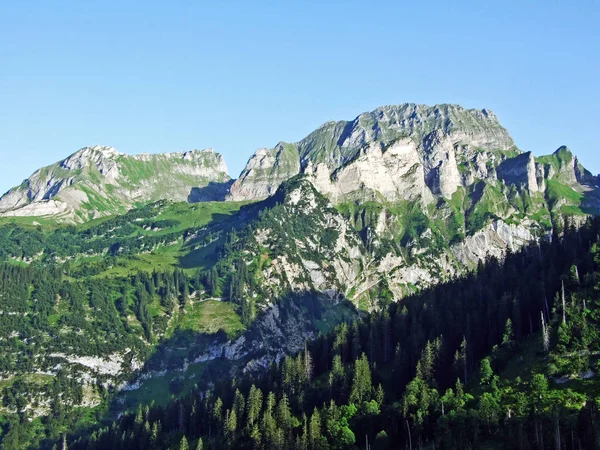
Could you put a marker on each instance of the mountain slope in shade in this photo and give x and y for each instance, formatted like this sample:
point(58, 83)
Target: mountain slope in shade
point(97, 181)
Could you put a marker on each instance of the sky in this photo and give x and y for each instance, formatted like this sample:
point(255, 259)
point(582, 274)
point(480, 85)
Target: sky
point(157, 76)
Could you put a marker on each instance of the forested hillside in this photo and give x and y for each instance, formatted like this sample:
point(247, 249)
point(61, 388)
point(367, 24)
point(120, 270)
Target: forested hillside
point(504, 357)
point(125, 304)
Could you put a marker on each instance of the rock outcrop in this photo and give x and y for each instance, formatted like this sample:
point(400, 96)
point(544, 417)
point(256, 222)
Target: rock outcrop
point(520, 171)
point(97, 181)
point(397, 152)
point(265, 171)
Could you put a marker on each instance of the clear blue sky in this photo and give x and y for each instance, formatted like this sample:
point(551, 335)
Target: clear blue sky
point(236, 76)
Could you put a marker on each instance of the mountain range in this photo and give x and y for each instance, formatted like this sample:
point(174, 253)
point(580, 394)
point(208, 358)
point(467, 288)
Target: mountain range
point(426, 191)
point(132, 278)
point(394, 153)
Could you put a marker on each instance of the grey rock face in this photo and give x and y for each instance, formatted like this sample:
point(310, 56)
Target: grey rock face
point(265, 171)
point(520, 171)
point(389, 151)
point(396, 173)
point(96, 181)
point(494, 240)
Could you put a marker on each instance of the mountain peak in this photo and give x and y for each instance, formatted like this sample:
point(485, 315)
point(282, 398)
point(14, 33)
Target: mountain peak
point(420, 119)
point(98, 180)
point(563, 150)
point(424, 144)
point(106, 150)
point(87, 156)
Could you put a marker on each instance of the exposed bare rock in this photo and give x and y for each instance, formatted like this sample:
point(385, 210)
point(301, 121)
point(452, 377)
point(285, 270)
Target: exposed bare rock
point(97, 181)
point(493, 241)
point(406, 151)
point(520, 171)
point(265, 171)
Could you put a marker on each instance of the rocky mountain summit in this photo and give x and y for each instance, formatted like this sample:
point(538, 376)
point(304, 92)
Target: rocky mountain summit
point(96, 181)
point(399, 152)
point(407, 152)
point(427, 192)
point(412, 152)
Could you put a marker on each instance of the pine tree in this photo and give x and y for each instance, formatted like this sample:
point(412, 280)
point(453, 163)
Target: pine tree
point(284, 415)
point(254, 405)
point(508, 336)
point(460, 360)
point(308, 363)
point(154, 435)
point(302, 440)
point(183, 444)
point(379, 395)
point(217, 413)
point(361, 385)
point(564, 306)
point(230, 426)
point(485, 372)
point(314, 429)
point(341, 340)
point(239, 404)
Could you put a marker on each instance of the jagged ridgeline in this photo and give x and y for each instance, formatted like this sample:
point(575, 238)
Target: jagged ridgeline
point(430, 191)
point(439, 156)
point(408, 152)
point(98, 181)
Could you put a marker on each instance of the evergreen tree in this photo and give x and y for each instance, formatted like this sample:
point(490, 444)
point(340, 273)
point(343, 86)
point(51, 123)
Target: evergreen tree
point(361, 385)
point(508, 336)
point(485, 372)
point(183, 444)
point(314, 430)
point(254, 405)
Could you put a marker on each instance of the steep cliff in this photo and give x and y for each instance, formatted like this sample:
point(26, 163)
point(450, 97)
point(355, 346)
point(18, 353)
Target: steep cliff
point(399, 152)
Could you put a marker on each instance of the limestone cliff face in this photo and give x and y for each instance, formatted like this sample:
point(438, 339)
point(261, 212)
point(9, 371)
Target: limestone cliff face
point(431, 191)
point(398, 152)
point(395, 173)
point(359, 254)
point(520, 171)
point(313, 246)
point(96, 181)
point(494, 240)
point(265, 171)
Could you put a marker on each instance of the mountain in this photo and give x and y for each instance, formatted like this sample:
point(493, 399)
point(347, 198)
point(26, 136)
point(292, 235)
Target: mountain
point(97, 181)
point(430, 190)
point(433, 155)
point(408, 152)
point(398, 152)
point(187, 278)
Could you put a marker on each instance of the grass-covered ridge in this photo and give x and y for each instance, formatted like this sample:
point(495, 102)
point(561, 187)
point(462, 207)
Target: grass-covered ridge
point(99, 181)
